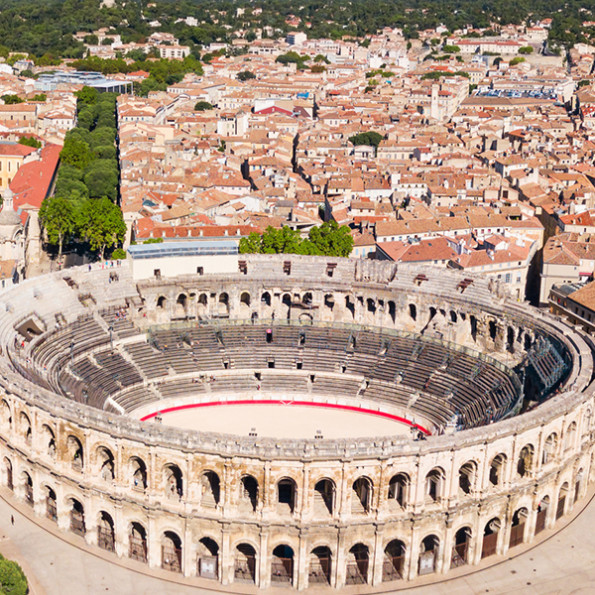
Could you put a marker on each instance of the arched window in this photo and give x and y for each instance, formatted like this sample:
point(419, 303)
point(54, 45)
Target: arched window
point(137, 543)
point(525, 462)
point(319, 569)
point(394, 561)
point(171, 552)
point(428, 554)
point(542, 509)
point(105, 463)
point(361, 495)
point(467, 476)
point(434, 485)
point(77, 517)
point(286, 496)
point(173, 481)
point(162, 302)
point(460, 548)
point(106, 538)
point(138, 474)
point(75, 452)
point(25, 427)
point(570, 437)
point(49, 441)
point(8, 481)
point(51, 509)
point(398, 488)
point(490, 537)
point(549, 448)
point(208, 558)
point(27, 483)
point(358, 562)
point(497, 468)
point(282, 565)
point(249, 492)
point(562, 497)
point(517, 530)
point(210, 489)
point(324, 497)
point(245, 564)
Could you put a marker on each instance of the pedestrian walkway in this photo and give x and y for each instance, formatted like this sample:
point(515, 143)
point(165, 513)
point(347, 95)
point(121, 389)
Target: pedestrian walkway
point(563, 562)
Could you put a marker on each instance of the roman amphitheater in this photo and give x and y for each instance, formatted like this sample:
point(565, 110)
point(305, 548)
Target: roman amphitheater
point(301, 421)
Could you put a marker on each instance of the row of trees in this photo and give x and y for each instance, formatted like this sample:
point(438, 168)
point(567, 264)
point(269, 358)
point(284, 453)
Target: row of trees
point(328, 239)
point(84, 206)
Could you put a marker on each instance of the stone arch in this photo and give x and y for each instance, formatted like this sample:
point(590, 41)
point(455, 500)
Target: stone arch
point(265, 298)
point(207, 558)
point(105, 463)
point(5, 414)
point(138, 473)
point(210, 487)
point(248, 492)
point(429, 550)
point(320, 566)
point(473, 327)
point(492, 329)
point(137, 542)
point(162, 302)
point(361, 495)
point(461, 547)
point(542, 511)
point(282, 565)
point(562, 499)
point(77, 517)
point(106, 536)
point(350, 307)
point(497, 470)
point(491, 532)
point(517, 530)
point(570, 436)
point(286, 303)
point(393, 567)
point(586, 425)
point(434, 484)
point(525, 461)
point(413, 311)
point(358, 564)
point(245, 302)
point(223, 304)
point(324, 496)
point(181, 309)
point(171, 551)
point(202, 305)
point(467, 477)
point(245, 563)
point(549, 449)
point(392, 311)
point(51, 504)
point(75, 452)
point(307, 299)
point(398, 489)
point(173, 480)
point(27, 484)
point(510, 339)
point(25, 427)
point(286, 495)
point(578, 484)
point(8, 474)
point(49, 440)
point(453, 317)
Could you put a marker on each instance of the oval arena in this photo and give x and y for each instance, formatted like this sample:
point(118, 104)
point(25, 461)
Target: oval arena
point(303, 421)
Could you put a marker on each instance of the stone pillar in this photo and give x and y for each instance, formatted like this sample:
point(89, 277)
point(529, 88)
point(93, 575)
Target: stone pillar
point(340, 561)
point(377, 557)
point(153, 544)
point(302, 563)
point(188, 553)
point(263, 580)
point(226, 556)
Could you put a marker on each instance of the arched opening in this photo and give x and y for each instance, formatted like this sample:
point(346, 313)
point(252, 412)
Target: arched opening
point(428, 555)
point(510, 339)
point(5, 415)
point(473, 327)
point(392, 311)
point(329, 301)
point(266, 298)
point(549, 449)
point(562, 496)
point(398, 488)
point(181, 306)
point(161, 302)
point(453, 316)
point(394, 561)
point(525, 462)
point(460, 548)
point(286, 302)
point(517, 530)
point(282, 565)
point(223, 305)
point(106, 538)
point(249, 492)
point(137, 543)
point(210, 489)
point(8, 479)
point(527, 342)
point(77, 518)
point(105, 461)
point(208, 558)
point(138, 474)
point(324, 497)
point(245, 305)
point(361, 495)
point(570, 436)
point(51, 508)
point(467, 475)
point(25, 425)
point(172, 476)
point(75, 452)
point(27, 488)
point(202, 305)
point(350, 306)
point(412, 311)
point(578, 481)
point(245, 564)
point(319, 568)
point(371, 306)
point(171, 552)
point(434, 485)
point(492, 329)
point(286, 496)
point(490, 537)
point(541, 519)
point(49, 440)
point(358, 562)
point(307, 299)
point(586, 426)
point(497, 467)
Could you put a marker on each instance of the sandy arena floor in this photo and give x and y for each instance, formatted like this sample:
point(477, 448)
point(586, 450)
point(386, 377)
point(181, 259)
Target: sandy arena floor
point(285, 421)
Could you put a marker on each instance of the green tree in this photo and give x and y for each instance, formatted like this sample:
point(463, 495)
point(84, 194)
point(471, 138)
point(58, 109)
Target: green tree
point(29, 141)
point(252, 244)
point(245, 75)
point(76, 152)
point(371, 138)
point(12, 578)
point(58, 218)
point(201, 106)
point(101, 178)
point(330, 239)
point(517, 60)
point(451, 49)
point(526, 49)
point(87, 95)
point(11, 99)
point(100, 222)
